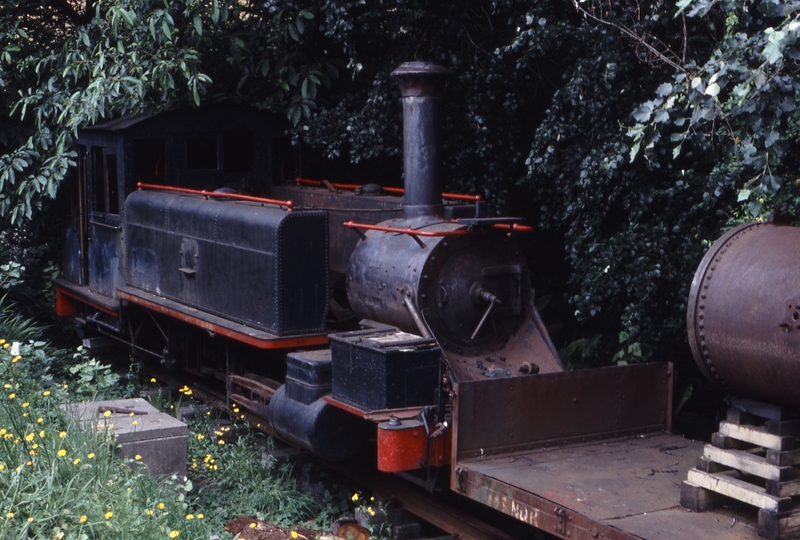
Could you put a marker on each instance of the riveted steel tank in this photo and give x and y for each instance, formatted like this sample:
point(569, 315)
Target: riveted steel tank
point(743, 314)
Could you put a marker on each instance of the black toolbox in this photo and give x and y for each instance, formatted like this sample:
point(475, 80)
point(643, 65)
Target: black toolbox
point(385, 368)
point(308, 375)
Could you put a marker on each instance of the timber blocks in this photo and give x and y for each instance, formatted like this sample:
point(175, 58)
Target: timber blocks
point(139, 429)
point(752, 459)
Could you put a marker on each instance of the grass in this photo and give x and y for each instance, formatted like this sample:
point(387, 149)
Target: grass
point(62, 479)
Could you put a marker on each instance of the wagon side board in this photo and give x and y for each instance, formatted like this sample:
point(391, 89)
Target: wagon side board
point(583, 455)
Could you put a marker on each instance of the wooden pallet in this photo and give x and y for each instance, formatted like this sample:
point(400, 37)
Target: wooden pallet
point(753, 459)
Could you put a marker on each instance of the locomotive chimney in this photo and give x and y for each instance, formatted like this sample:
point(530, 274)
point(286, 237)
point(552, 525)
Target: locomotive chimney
point(420, 85)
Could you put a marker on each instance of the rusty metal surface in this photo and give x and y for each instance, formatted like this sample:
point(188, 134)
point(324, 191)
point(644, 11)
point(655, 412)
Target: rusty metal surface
point(618, 489)
point(743, 313)
point(498, 416)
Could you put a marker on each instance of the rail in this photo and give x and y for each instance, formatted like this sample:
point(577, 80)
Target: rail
point(398, 191)
point(218, 195)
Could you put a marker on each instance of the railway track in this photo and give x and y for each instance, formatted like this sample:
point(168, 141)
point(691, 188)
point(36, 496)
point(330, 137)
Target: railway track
point(409, 507)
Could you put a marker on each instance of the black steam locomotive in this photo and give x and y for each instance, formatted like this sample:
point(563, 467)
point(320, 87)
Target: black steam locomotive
point(348, 314)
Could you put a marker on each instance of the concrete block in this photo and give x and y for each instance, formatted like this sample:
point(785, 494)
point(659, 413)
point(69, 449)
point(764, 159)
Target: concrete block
point(140, 429)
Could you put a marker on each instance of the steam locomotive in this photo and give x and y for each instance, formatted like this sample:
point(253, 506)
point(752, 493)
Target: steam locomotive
point(351, 315)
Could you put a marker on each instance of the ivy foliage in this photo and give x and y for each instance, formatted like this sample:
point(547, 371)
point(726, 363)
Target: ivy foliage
point(735, 107)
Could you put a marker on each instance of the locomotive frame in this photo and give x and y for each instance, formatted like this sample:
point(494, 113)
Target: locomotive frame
point(184, 244)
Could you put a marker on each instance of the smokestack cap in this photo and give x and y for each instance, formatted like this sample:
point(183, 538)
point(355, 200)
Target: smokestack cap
point(420, 79)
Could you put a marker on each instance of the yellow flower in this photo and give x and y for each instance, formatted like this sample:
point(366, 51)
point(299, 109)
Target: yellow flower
point(107, 414)
point(6, 345)
point(149, 512)
point(135, 423)
point(12, 395)
point(10, 515)
point(153, 380)
point(2, 466)
point(200, 437)
point(47, 393)
point(66, 386)
point(174, 534)
point(108, 515)
point(91, 455)
point(41, 434)
point(82, 519)
point(354, 497)
point(25, 405)
point(62, 453)
point(160, 506)
point(294, 534)
point(29, 437)
point(35, 446)
point(253, 525)
point(30, 520)
point(220, 441)
point(2, 341)
point(6, 385)
point(62, 434)
point(189, 517)
point(39, 420)
point(76, 461)
point(24, 415)
point(137, 457)
point(200, 516)
point(371, 511)
point(16, 359)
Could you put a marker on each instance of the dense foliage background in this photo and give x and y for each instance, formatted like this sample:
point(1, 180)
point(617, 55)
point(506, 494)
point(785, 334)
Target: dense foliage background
point(630, 132)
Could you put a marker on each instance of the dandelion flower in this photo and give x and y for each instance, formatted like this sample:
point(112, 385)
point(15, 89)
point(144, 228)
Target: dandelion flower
point(25, 405)
point(153, 380)
point(6, 345)
point(253, 525)
point(174, 534)
point(47, 393)
point(10, 515)
point(91, 455)
point(200, 437)
point(135, 423)
point(220, 442)
point(137, 457)
point(107, 414)
point(76, 461)
point(6, 386)
point(29, 437)
point(35, 446)
point(30, 520)
point(62, 453)
point(39, 420)
point(12, 395)
point(108, 515)
point(41, 434)
point(189, 517)
point(149, 512)
point(62, 434)
point(16, 359)
point(294, 534)
point(160, 506)
point(2, 467)
point(82, 519)
point(354, 497)
point(200, 516)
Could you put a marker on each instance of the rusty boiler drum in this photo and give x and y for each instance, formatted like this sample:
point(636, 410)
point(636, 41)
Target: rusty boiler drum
point(743, 314)
point(471, 289)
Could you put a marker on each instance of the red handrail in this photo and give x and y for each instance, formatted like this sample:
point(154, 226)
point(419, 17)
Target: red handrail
point(219, 195)
point(399, 191)
point(407, 230)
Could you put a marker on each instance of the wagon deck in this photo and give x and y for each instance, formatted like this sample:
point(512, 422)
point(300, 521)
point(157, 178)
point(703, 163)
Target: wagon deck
point(584, 455)
point(622, 488)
